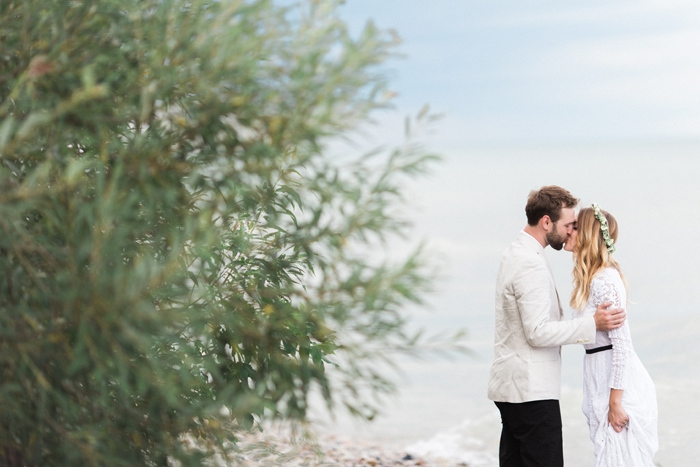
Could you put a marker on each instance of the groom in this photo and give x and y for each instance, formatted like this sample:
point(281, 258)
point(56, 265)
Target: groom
point(525, 375)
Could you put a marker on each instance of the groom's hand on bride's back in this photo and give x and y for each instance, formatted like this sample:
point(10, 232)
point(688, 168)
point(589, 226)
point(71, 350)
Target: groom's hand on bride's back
point(607, 319)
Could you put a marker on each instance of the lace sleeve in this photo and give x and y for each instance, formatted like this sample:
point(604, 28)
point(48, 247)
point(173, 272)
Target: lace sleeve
point(606, 289)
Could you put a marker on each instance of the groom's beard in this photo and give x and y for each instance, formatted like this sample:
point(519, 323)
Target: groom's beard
point(555, 241)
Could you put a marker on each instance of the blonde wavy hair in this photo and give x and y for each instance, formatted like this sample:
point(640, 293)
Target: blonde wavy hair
point(591, 254)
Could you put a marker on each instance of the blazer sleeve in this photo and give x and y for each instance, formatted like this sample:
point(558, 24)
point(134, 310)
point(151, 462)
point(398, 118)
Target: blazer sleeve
point(532, 290)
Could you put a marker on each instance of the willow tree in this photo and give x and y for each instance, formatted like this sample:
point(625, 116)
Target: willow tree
point(179, 256)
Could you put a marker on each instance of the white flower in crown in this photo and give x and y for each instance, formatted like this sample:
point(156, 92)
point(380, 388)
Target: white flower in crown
point(609, 243)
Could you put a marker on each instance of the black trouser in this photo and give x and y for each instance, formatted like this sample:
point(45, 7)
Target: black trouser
point(531, 435)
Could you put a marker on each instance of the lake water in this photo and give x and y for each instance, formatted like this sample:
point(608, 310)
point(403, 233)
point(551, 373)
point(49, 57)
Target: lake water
point(470, 209)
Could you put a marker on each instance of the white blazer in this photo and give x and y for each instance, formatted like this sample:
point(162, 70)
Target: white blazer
point(529, 332)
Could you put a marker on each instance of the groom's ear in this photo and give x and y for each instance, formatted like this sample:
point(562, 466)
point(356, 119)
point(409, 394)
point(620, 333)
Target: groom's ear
point(546, 223)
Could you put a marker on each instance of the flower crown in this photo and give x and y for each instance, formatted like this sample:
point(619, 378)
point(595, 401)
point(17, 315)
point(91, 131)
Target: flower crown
point(609, 243)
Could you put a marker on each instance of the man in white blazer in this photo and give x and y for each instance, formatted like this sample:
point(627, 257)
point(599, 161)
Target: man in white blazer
point(525, 378)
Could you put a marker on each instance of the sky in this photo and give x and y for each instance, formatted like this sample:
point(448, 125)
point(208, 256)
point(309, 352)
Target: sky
point(544, 72)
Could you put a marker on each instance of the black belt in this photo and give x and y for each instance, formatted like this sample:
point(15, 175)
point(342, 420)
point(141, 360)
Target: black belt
point(599, 349)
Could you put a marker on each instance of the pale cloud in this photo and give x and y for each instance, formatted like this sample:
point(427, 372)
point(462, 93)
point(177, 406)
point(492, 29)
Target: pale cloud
point(577, 13)
point(676, 50)
point(683, 125)
point(668, 90)
point(655, 70)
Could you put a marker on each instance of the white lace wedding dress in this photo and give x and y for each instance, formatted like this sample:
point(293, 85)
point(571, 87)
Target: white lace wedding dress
point(619, 368)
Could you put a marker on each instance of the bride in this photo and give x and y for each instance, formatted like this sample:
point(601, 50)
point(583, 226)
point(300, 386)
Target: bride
point(619, 399)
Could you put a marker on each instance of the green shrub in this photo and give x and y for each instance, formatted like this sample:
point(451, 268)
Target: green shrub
point(179, 256)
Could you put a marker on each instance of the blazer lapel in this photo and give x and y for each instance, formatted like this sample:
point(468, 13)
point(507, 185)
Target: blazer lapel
point(554, 284)
point(535, 245)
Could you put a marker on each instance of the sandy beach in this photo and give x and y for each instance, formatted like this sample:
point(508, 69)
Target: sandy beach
point(277, 447)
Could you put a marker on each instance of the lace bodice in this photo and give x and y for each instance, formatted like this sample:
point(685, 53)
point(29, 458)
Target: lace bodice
point(607, 286)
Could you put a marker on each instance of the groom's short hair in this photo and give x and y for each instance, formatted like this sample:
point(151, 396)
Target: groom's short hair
point(548, 201)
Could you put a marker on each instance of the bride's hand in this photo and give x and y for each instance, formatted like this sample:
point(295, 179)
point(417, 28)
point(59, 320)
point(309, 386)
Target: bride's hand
point(617, 417)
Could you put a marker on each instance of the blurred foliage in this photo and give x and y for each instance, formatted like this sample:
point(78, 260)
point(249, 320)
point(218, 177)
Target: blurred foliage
point(178, 256)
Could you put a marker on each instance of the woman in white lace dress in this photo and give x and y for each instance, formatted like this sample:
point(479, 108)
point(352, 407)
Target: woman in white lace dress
point(619, 399)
